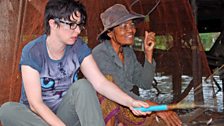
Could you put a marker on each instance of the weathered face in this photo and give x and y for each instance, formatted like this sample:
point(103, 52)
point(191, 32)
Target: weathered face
point(124, 33)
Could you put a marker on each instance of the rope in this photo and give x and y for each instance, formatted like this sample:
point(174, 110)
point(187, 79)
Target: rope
point(151, 10)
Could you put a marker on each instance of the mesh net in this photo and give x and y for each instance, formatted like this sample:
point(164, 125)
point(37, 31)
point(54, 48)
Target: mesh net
point(178, 50)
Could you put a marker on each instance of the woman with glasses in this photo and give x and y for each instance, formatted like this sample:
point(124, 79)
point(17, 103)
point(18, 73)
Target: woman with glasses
point(51, 92)
point(118, 62)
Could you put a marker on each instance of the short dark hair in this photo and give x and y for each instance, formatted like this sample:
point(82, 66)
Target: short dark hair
point(63, 9)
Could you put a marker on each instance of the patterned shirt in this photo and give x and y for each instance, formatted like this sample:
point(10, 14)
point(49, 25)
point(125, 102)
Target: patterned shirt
point(56, 76)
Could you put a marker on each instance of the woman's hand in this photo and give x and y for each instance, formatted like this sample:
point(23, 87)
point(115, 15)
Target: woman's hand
point(137, 103)
point(149, 43)
point(170, 117)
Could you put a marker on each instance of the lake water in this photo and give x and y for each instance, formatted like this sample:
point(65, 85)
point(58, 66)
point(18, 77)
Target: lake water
point(211, 96)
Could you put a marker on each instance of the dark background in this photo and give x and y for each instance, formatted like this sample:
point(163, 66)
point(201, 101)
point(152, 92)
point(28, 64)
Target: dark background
point(210, 15)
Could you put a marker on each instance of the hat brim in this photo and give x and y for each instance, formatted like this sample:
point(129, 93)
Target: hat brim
point(120, 21)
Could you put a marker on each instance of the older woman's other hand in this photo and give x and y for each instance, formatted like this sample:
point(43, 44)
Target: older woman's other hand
point(149, 43)
point(170, 117)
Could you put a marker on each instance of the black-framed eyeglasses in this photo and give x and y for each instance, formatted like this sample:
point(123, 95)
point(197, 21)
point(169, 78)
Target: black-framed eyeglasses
point(72, 25)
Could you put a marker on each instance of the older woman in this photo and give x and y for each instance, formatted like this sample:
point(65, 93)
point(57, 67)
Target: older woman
point(117, 60)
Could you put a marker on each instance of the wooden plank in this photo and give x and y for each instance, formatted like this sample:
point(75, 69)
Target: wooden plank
point(8, 21)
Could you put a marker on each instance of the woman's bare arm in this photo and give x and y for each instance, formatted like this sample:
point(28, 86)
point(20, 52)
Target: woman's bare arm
point(107, 88)
point(31, 80)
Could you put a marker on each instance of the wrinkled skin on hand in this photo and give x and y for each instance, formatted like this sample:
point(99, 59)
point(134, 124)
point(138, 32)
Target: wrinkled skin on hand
point(149, 43)
point(170, 117)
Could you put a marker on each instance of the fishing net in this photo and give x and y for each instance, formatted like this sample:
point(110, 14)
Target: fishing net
point(178, 49)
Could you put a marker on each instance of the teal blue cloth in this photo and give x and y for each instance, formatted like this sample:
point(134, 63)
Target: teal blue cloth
point(153, 108)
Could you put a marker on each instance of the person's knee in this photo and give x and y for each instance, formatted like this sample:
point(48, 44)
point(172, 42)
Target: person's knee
point(5, 109)
point(82, 89)
point(84, 85)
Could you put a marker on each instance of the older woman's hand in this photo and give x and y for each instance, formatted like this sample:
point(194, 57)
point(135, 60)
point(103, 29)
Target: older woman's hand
point(170, 117)
point(149, 43)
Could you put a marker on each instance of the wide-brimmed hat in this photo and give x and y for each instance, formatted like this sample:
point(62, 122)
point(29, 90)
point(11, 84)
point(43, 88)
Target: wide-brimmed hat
point(116, 15)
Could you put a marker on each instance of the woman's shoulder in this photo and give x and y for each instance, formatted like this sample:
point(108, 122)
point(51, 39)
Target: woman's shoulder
point(36, 44)
point(100, 48)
